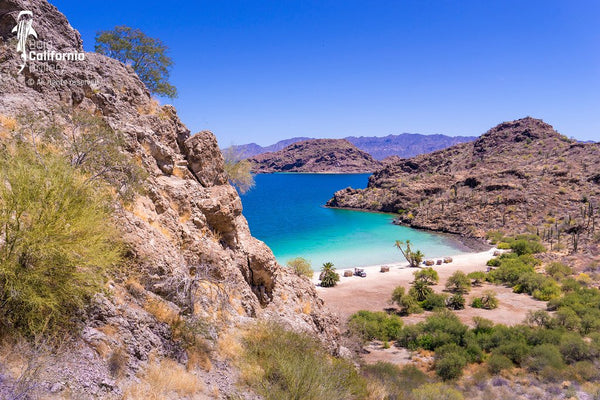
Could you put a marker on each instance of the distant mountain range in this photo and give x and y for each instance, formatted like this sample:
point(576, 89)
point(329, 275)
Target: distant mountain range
point(404, 145)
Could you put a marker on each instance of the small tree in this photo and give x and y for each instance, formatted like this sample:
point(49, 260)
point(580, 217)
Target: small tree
point(476, 277)
point(147, 56)
point(407, 302)
point(301, 267)
point(238, 170)
point(428, 275)
point(414, 258)
point(329, 277)
point(458, 283)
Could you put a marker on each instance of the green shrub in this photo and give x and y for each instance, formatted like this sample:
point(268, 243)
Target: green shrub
point(291, 365)
point(515, 351)
point(567, 318)
point(494, 236)
point(434, 301)
point(573, 348)
point(450, 361)
point(301, 267)
point(498, 362)
point(477, 303)
point(375, 325)
point(487, 301)
point(456, 302)
point(406, 301)
point(494, 262)
point(503, 246)
point(436, 391)
point(527, 246)
point(458, 283)
point(543, 357)
point(477, 277)
point(558, 270)
point(328, 276)
point(57, 242)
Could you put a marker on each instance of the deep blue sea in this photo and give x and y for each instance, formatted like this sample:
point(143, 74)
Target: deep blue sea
point(287, 212)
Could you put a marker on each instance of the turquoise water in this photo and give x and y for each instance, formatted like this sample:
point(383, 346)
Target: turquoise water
point(286, 212)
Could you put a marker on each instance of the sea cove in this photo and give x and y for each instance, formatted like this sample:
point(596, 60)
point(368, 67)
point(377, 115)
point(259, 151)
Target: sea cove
point(286, 212)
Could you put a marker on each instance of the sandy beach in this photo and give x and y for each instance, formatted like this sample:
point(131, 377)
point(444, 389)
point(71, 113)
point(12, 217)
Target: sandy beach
point(373, 292)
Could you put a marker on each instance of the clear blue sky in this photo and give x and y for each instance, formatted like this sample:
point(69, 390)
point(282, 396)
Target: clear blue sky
point(261, 71)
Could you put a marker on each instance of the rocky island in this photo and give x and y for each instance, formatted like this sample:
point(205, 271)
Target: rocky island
point(316, 155)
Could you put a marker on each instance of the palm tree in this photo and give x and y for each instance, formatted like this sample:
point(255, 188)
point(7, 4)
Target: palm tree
point(329, 277)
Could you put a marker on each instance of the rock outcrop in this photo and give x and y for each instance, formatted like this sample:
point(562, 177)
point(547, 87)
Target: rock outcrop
point(519, 176)
point(317, 155)
point(190, 248)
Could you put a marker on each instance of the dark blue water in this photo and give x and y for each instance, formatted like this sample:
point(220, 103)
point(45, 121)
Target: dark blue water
point(286, 212)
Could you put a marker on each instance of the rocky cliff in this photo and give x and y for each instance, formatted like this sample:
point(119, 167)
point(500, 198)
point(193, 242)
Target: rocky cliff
point(317, 155)
point(519, 176)
point(189, 247)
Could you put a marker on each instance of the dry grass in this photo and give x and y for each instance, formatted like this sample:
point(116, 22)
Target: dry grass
point(151, 108)
point(161, 311)
point(135, 288)
point(306, 308)
point(166, 380)
point(8, 123)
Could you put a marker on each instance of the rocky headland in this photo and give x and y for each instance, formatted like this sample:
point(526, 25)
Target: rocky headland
point(520, 176)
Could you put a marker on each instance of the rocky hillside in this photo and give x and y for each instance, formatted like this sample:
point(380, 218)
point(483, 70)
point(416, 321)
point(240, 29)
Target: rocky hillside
point(190, 252)
point(317, 155)
point(404, 145)
point(520, 175)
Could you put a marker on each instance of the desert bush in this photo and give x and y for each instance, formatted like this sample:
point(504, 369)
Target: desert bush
point(436, 391)
point(544, 357)
point(238, 170)
point(477, 277)
point(573, 348)
point(538, 318)
point(487, 301)
point(498, 362)
point(406, 301)
point(458, 283)
point(516, 351)
point(527, 246)
point(375, 325)
point(281, 364)
point(434, 301)
point(58, 241)
point(450, 361)
point(301, 267)
point(558, 270)
point(456, 302)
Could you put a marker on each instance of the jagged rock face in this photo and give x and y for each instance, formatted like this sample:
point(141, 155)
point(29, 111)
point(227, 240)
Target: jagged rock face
point(187, 236)
point(519, 174)
point(317, 155)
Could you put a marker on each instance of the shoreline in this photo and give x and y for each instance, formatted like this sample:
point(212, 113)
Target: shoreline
point(401, 268)
point(373, 292)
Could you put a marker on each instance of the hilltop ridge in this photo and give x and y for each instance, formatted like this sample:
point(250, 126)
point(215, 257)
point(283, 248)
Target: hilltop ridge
point(517, 176)
point(317, 155)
